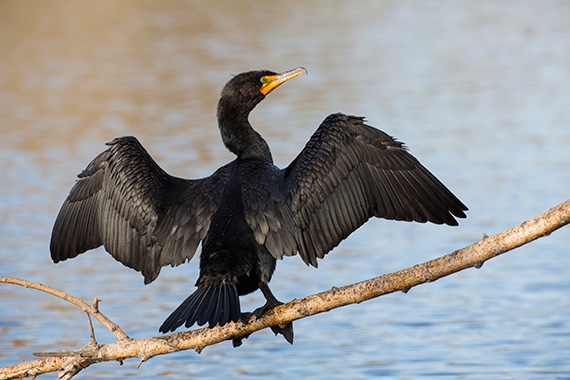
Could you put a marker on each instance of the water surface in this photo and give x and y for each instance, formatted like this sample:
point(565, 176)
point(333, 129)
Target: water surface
point(478, 91)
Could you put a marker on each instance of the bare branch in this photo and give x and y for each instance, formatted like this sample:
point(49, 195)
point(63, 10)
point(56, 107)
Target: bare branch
point(68, 363)
point(93, 310)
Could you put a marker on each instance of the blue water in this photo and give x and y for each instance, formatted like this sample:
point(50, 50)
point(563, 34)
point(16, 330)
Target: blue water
point(479, 91)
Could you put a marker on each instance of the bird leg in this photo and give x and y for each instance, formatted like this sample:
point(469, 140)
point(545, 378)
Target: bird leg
point(285, 330)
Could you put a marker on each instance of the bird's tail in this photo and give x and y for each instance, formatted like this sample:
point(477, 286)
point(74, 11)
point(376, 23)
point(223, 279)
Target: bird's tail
point(212, 304)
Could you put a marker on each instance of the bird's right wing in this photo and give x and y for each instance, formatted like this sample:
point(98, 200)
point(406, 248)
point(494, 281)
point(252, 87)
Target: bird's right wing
point(347, 173)
point(144, 217)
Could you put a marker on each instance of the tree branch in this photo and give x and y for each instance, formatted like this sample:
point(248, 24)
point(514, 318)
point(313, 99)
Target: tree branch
point(69, 363)
point(93, 310)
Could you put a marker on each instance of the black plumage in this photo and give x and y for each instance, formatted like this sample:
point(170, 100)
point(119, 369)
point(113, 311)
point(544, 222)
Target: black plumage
point(249, 212)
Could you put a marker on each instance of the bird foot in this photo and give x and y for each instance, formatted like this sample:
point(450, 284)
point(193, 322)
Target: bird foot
point(244, 318)
point(286, 330)
point(236, 342)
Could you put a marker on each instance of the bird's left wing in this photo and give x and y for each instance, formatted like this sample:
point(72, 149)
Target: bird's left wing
point(145, 218)
point(347, 173)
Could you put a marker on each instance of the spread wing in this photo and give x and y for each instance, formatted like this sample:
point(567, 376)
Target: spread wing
point(144, 217)
point(347, 173)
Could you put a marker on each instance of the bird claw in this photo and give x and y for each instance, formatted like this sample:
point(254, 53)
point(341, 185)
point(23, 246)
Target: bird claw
point(285, 330)
point(236, 342)
point(245, 317)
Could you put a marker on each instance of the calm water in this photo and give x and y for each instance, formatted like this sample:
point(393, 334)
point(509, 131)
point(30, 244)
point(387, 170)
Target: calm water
point(479, 91)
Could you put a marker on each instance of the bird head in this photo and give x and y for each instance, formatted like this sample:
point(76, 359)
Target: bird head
point(239, 96)
point(249, 88)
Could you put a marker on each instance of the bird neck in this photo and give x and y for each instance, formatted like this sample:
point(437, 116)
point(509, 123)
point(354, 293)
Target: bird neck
point(238, 135)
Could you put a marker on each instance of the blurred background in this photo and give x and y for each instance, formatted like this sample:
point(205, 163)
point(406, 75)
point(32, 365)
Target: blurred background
point(479, 92)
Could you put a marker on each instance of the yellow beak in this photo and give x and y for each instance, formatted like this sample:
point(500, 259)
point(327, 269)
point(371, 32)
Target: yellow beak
point(271, 82)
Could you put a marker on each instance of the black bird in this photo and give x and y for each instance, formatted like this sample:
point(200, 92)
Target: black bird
point(249, 212)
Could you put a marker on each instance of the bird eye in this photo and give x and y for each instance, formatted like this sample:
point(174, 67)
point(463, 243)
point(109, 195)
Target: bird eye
point(264, 80)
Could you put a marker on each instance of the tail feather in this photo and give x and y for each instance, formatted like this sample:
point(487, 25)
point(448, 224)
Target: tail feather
point(218, 305)
point(224, 312)
point(183, 312)
point(212, 304)
point(207, 312)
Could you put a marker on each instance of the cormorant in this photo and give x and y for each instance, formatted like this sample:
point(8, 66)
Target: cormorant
point(249, 212)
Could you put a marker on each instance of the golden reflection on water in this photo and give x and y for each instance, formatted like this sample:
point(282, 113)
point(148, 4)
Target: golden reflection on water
point(101, 69)
point(72, 70)
point(478, 90)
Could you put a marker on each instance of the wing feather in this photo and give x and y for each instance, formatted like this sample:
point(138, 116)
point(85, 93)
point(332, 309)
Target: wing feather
point(144, 217)
point(347, 173)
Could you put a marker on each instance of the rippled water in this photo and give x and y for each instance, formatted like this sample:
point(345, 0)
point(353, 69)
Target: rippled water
point(479, 91)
